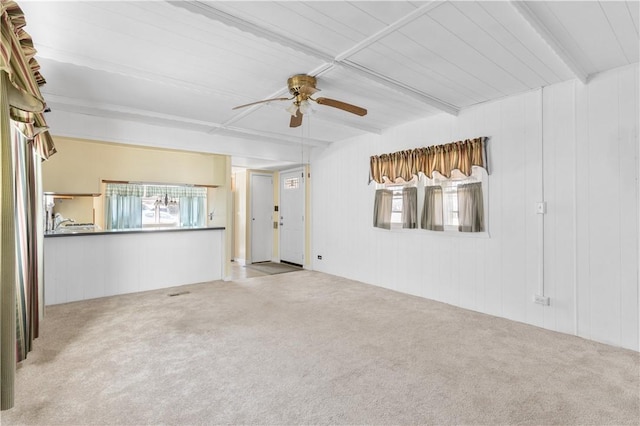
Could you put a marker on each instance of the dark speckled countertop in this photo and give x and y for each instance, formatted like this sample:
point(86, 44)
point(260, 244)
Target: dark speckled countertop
point(77, 233)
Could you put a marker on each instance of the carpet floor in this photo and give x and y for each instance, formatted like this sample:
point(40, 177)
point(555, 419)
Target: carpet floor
point(311, 348)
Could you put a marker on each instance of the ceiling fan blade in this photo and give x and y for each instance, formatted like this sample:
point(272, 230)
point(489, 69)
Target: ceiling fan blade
point(308, 90)
point(296, 120)
point(342, 105)
point(261, 102)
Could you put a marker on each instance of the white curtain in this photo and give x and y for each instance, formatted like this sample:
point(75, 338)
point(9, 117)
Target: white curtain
point(432, 217)
point(470, 208)
point(382, 209)
point(410, 207)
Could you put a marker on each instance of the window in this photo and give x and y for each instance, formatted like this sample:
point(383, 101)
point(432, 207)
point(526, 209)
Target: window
point(459, 198)
point(292, 183)
point(453, 204)
point(450, 203)
point(161, 211)
point(396, 203)
point(134, 206)
point(395, 206)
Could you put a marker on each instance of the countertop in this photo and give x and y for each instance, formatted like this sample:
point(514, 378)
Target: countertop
point(77, 233)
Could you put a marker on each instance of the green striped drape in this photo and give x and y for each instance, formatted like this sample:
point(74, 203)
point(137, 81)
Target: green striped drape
point(22, 102)
point(461, 155)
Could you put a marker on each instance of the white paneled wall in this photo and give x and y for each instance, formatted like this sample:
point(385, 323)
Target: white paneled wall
point(574, 146)
point(81, 267)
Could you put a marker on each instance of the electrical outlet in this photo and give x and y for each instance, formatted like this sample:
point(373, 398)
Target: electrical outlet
point(542, 300)
point(319, 257)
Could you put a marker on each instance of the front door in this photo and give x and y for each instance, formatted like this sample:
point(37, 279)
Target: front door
point(292, 216)
point(261, 218)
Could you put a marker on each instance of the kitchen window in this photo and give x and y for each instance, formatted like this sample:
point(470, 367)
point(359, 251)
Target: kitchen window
point(135, 206)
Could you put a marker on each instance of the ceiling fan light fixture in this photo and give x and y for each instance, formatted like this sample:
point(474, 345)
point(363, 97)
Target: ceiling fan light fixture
point(292, 109)
point(306, 107)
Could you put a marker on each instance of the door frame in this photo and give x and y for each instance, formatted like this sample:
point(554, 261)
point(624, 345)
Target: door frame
point(249, 219)
point(305, 175)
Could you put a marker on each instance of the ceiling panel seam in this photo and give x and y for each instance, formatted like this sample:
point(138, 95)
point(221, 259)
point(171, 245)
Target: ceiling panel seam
point(615, 33)
point(402, 88)
point(553, 43)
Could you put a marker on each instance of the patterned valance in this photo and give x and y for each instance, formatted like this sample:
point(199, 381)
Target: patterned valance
point(175, 191)
point(461, 155)
point(19, 66)
point(142, 190)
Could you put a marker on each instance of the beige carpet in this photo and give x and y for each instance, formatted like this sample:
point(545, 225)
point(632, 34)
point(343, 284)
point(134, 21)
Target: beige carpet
point(310, 348)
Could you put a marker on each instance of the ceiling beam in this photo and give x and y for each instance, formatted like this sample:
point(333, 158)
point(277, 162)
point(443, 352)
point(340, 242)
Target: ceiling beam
point(389, 29)
point(118, 111)
point(532, 19)
point(209, 11)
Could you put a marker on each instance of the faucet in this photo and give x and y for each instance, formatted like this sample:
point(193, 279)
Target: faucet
point(63, 221)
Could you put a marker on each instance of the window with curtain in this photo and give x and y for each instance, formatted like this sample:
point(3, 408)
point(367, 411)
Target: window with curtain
point(396, 206)
point(455, 203)
point(131, 206)
point(453, 179)
point(449, 204)
point(382, 207)
point(470, 207)
point(432, 210)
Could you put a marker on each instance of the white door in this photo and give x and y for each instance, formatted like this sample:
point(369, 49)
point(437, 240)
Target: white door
point(261, 217)
point(292, 216)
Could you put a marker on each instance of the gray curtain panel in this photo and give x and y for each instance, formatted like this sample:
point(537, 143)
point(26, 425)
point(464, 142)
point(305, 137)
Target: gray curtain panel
point(382, 209)
point(410, 207)
point(470, 208)
point(432, 217)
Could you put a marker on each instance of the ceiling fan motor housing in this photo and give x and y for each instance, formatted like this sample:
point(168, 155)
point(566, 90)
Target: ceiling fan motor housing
point(298, 81)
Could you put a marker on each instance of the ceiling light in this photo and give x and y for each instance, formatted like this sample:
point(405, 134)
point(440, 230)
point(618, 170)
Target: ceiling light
point(305, 107)
point(293, 109)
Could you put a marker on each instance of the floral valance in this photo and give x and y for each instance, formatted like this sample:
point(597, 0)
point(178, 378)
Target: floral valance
point(22, 71)
point(461, 155)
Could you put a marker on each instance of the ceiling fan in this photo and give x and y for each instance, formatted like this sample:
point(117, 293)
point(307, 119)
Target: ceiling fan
point(302, 87)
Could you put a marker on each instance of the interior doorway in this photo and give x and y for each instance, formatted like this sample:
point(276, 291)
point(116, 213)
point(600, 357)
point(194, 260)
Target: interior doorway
point(261, 194)
point(291, 215)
